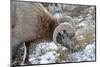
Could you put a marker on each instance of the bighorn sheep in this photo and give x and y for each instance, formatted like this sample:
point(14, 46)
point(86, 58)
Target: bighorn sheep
point(32, 22)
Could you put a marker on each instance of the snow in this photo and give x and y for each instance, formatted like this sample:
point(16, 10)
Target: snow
point(87, 54)
point(49, 57)
point(45, 53)
point(58, 16)
point(90, 52)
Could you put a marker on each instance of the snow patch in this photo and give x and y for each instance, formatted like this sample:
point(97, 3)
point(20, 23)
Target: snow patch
point(88, 54)
point(45, 53)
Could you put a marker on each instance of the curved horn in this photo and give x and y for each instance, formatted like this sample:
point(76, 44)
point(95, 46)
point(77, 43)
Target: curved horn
point(63, 26)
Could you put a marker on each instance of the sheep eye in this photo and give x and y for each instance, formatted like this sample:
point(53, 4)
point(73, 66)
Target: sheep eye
point(59, 34)
point(64, 31)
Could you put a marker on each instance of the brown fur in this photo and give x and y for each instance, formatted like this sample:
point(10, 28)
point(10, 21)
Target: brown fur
point(31, 22)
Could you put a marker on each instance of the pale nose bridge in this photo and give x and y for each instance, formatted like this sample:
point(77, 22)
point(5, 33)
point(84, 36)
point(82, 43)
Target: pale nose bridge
point(66, 34)
point(73, 43)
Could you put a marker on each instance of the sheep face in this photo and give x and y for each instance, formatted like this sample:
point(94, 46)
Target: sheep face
point(64, 34)
point(67, 40)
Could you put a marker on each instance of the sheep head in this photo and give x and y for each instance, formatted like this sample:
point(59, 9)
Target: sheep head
point(64, 34)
